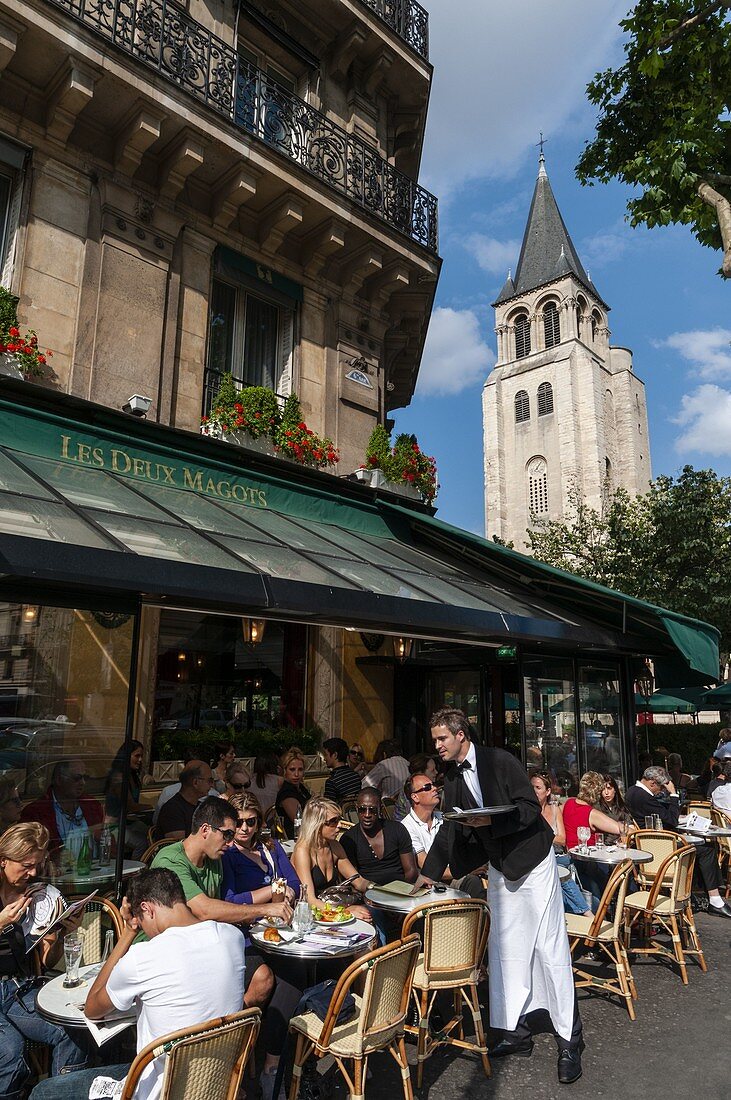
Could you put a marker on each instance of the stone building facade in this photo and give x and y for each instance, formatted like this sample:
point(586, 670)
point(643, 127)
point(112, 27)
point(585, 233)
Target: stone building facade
point(199, 187)
point(563, 411)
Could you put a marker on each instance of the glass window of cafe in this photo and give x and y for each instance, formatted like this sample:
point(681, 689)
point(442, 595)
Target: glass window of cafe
point(550, 721)
point(600, 718)
point(64, 682)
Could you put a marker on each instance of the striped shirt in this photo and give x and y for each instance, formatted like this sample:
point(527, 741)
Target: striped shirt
point(341, 783)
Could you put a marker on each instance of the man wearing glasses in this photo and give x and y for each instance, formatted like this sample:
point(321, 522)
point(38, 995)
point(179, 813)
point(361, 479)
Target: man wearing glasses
point(176, 816)
point(67, 813)
point(423, 820)
point(196, 861)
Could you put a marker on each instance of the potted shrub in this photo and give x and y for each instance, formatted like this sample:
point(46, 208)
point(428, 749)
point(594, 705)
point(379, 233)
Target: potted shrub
point(402, 469)
point(20, 356)
point(248, 416)
point(296, 441)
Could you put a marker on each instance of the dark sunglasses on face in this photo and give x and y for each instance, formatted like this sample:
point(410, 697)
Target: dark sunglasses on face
point(368, 810)
point(238, 786)
point(354, 752)
point(332, 821)
point(78, 777)
point(227, 834)
point(426, 787)
point(249, 822)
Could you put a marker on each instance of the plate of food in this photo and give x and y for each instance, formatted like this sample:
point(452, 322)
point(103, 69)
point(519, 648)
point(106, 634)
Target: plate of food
point(332, 914)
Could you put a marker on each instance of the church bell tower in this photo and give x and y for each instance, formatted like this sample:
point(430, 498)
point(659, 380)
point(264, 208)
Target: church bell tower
point(563, 410)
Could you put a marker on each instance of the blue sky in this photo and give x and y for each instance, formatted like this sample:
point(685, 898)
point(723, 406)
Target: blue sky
point(502, 74)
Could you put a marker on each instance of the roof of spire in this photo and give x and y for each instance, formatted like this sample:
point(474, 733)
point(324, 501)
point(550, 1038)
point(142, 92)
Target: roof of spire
point(547, 252)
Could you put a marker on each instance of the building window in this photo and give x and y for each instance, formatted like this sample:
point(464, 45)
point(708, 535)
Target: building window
point(522, 336)
point(551, 325)
point(595, 323)
point(249, 335)
point(537, 487)
point(522, 407)
point(545, 399)
point(12, 161)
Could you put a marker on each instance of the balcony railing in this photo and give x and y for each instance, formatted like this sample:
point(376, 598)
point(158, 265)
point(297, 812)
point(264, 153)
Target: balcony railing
point(408, 19)
point(164, 38)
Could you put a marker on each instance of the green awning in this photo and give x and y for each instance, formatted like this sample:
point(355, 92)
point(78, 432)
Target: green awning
point(688, 643)
point(718, 697)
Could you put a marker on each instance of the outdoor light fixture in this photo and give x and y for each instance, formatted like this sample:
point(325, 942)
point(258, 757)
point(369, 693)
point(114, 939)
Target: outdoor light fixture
point(253, 630)
point(402, 648)
point(137, 405)
point(30, 613)
point(182, 655)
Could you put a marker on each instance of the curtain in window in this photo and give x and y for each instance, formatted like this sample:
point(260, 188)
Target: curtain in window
point(260, 343)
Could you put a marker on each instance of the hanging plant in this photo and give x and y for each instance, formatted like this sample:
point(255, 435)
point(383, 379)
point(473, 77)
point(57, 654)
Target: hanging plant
point(403, 464)
point(296, 441)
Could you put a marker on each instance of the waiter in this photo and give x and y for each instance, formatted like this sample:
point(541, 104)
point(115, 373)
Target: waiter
point(528, 949)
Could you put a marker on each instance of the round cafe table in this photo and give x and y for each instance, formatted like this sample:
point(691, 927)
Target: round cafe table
point(98, 876)
point(564, 873)
point(713, 833)
point(404, 903)
point(66, 1006)
point(611, 855)
point(310, 948)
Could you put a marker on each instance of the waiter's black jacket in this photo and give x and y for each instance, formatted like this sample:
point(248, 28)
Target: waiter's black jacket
point(515, 843)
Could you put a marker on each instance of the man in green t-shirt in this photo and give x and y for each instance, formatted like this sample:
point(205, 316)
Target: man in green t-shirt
point(197, 863)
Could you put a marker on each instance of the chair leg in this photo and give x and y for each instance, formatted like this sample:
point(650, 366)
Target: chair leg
point(474, 1003)
point(689, 922)
point(619, 962)
point(300, 1057)
point(405, 1074)
point(457, 1004)
point(423, 1037)
point(678, 948)
point(357, 1093)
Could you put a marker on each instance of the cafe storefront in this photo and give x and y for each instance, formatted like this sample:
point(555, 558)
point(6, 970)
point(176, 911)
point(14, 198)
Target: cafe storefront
point(158, 585)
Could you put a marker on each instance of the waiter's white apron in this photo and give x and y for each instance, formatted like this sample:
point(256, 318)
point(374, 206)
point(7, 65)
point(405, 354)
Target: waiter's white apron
point(528, 949)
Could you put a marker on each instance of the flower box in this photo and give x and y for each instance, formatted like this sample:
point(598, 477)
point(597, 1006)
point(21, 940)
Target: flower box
point(376, 479)
point(240, 438)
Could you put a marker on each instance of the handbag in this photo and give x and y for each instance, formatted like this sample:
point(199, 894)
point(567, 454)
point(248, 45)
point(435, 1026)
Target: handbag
point(318, 997)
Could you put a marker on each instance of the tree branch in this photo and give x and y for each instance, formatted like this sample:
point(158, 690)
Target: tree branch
point(722, 206)
point(694, 21)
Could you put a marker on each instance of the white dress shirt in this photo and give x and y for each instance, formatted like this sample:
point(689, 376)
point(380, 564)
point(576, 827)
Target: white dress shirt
point(471, 777)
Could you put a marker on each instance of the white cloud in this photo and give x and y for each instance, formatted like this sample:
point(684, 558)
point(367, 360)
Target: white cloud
point(493, 256)
point(604, 247)
point(705, 416)
point(707, 350)
point(498, 65)
point(455, 354)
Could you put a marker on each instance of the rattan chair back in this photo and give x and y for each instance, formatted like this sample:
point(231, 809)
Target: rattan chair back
point(388, 807)
point(100, 914)
point(703, 809)
point(661, 843)
point(149, 854)
point(275, 824)
point(349, 811)
point(205, 1062)
point(454, 935)
point(682, 886)
point(614, 893)
point(389, 973)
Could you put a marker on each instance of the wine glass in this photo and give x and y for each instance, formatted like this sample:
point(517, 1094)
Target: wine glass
point(583, 833)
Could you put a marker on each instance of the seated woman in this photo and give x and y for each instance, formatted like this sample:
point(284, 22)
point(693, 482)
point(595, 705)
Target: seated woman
point(293, 795)
point(266, 780)
point(573, 899)
point(135, 832)
point(26, 908)
point(582, 810)
point(238, 780)
point(256, 872)
point(319, 859)
point(224, 755)
point(611, 802)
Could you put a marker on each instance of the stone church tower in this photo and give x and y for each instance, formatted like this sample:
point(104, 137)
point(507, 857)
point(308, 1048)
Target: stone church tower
point(561, 408)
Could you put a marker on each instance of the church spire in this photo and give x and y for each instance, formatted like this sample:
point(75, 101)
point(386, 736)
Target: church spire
point(547, 252)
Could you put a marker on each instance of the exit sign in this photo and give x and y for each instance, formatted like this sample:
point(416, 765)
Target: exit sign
point(507, 653)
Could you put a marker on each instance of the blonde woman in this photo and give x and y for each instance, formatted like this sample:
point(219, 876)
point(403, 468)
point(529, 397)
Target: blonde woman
point(293, 795)
point(26, 908)
point(319, 859)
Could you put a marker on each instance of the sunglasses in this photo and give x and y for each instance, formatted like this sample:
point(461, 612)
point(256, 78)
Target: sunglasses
point(238, 786)
point(353, 752)
point(426, 787)
point(368, 810)
point(249, 822)
point(227, 834)
point(332, 821)
point(78, 778)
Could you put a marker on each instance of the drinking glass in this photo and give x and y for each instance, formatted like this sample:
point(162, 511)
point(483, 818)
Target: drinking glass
point(72, 949)
point(658, 823)
point(622, 838)
point(583, 833)
point(301, 918)
point(650, 822)
point(599, 841)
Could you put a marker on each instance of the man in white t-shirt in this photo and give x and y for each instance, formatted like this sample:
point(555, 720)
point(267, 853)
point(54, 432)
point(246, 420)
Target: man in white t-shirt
point(188, 971)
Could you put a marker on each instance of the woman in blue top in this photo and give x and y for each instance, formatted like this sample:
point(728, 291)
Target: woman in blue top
point(255, 872)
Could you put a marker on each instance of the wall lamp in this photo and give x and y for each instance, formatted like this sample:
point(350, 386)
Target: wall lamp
point(253, 630)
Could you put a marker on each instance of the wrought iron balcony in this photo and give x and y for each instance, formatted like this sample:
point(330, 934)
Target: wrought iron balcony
point(408, 19)
point(161, 36)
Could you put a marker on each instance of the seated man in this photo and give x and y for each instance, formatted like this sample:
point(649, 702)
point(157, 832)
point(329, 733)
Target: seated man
point(342, 781)
point(159, 978)
point(197, 863)
point(721, 796)
point(67, 813)
point(655, 794)
point(176, 816)
point(423, 820)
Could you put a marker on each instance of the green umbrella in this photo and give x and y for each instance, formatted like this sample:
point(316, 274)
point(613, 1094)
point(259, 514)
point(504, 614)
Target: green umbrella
point(662, 703)
point(719, 697)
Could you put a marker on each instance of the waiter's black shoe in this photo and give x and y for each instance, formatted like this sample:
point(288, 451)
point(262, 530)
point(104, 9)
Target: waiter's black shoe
point(569, 1065)
point(523, 1049)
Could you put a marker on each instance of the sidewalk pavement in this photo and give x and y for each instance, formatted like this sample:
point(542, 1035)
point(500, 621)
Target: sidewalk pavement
point(679, 1046)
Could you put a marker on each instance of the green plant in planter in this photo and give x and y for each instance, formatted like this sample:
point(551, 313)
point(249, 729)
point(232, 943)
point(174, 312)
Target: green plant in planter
point(31, 359)
point(253, 409)
point(404, 463)
point(298, 442)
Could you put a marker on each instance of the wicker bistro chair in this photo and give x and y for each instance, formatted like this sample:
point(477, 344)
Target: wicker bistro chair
point(377, 1025)
point(348, 811)
point(149, 854)
point(274, 823)
point(99, 915)
point(672, 913)
point(661, 843)
point(703, 809)
point(205, 1062)
point(604, 932)
point(454, 937)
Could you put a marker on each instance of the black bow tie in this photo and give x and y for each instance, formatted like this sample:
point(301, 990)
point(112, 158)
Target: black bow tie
point(465, 766)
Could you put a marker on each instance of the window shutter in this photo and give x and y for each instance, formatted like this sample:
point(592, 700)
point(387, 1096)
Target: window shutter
point(11, 235)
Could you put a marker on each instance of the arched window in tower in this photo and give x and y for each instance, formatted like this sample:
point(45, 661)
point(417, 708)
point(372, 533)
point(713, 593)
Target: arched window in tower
point(545, 399)
point(551, 325)
point(522, 336)
point(522, 407)
point(595, 323)
point(537, 471)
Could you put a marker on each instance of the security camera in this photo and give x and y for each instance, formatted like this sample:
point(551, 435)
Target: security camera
point(137, 405)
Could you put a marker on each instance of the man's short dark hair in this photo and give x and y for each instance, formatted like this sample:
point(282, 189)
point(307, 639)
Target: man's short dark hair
point(338, 746)
point(214, 812)
point(369, 792)
point(158, 885)
point(409, 784)
point(419, 762)
point(455, 721)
